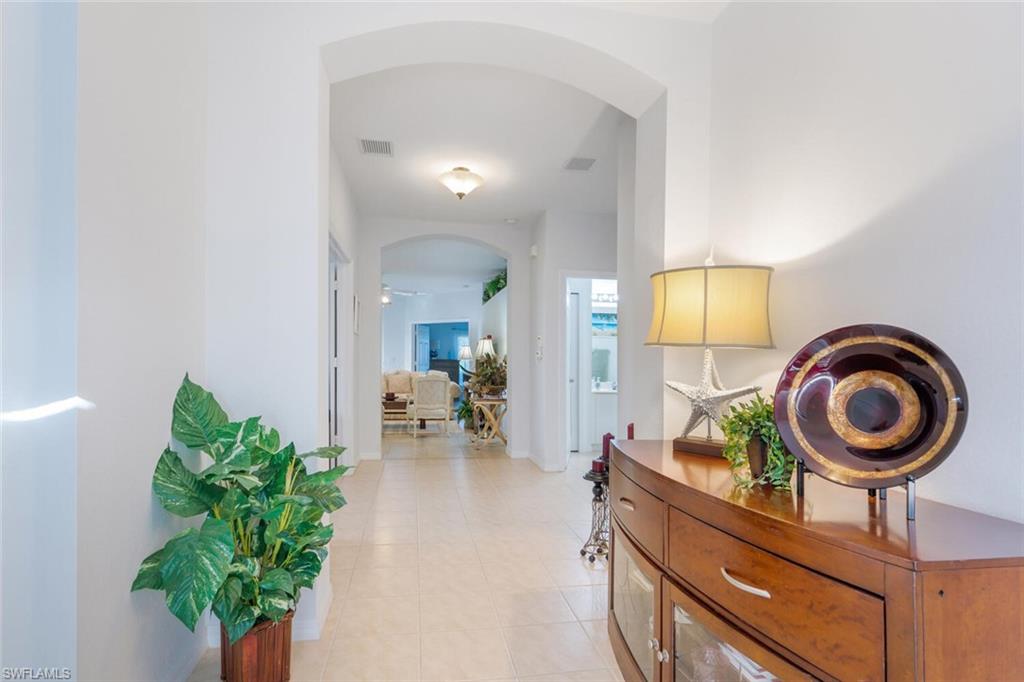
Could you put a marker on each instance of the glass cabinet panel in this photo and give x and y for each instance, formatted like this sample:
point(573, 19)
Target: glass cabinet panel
point(635, 605)
point(706, 649)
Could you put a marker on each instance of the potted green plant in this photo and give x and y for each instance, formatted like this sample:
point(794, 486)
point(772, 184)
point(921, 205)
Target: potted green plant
point(494, 285)
point(752, 442)
point(262, 539)
point(464, 413)
point(491, 376)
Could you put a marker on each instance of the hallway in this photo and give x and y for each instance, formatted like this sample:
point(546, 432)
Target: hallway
point(459, 564)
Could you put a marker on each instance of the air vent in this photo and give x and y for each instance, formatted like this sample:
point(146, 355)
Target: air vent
point(376, 147)
point(579, 164)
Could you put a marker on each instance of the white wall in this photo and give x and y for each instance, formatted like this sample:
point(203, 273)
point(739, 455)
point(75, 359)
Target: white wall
point(398, 318)
point(568, 244)
point(494, 321)
point(38, 325)
point(872, 154)
point(265, 96)
point(141, 314)
point(513, 244)
point(394, 353)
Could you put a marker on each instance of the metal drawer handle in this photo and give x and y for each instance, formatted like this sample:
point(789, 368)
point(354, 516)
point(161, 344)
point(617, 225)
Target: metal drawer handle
point(627, 503)
point(756, 591)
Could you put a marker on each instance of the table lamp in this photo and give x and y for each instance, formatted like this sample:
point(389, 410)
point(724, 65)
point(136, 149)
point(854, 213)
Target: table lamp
point(711, 306)
point(465, 353)
point(485, 346)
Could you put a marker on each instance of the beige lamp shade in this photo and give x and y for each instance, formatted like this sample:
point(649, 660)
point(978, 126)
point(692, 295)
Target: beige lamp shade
point(715, 306)
point(465, 353)
point(485, 346)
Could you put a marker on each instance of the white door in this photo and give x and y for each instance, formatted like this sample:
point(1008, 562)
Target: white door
point(573, 325)
point(422, 348)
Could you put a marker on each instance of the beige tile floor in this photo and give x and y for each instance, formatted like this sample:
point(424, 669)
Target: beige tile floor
point(456, 563)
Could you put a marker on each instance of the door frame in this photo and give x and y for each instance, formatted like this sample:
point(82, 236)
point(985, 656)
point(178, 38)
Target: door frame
point(561, 350)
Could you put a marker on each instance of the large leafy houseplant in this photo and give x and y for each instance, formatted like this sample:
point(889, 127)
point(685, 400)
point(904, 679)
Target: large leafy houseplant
point(263, 538)
point(753, 424)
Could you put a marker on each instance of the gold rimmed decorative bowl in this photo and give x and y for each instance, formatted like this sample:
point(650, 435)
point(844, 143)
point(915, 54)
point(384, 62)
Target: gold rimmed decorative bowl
point(870, 405)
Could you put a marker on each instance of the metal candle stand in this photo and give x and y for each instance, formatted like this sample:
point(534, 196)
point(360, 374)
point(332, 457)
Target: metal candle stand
point(596, 545)
point(910, 485)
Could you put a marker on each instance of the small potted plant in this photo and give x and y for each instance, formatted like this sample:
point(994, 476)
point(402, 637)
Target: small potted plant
point(262, 539)
point(464, 413)
point(752, 442)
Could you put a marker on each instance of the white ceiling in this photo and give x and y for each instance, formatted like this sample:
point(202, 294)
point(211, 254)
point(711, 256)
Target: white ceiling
point(517, 130)
point(438, 265)
point(689, 10)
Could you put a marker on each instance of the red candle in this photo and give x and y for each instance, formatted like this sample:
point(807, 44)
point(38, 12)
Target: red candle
point(597, 466)
point(606, 444)
point(629, 430)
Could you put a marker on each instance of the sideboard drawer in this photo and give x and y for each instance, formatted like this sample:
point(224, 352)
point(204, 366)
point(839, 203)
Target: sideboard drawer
point(835, 627)
point(640, 513)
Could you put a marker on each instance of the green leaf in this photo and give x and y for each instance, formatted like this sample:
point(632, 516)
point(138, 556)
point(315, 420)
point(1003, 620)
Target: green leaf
point(228, 597)
point(305, 568)
point(326, 477)
point(269, 439)
point(195, 564)
point(148, 577)
point(179, 490)
point(197, 415)
point(274, 604)
point(325, 452)
point(240, 621)
point(237, 616)
point(234, 505)
point(245, 433)
point(327, 497)
point(277, 579)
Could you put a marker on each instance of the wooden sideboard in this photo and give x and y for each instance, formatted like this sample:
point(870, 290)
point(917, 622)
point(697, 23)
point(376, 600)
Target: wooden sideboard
point(711, 582)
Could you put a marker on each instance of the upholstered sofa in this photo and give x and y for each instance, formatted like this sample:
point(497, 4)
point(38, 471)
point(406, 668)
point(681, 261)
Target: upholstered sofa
point(399, 382)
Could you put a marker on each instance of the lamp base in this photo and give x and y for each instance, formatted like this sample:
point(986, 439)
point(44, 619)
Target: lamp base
point(698, 446)
point(709, 400)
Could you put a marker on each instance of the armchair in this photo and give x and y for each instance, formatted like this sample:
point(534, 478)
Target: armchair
point(431, 401)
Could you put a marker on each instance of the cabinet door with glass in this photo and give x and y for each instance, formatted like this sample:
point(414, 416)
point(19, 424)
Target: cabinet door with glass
point(636, 604)
point(701, 647)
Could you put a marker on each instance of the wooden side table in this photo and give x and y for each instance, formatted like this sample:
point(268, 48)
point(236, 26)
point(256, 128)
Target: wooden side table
point(493, 411)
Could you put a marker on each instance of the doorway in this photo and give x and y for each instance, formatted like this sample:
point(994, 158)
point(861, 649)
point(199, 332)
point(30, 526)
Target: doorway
point(436, 346)
point(336, 334)
point(591, 361)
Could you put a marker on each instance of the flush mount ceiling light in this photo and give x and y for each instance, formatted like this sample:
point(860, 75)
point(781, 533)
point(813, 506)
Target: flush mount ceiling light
point(461, 181)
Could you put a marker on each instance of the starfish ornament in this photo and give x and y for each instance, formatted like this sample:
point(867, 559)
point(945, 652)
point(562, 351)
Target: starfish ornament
point(709, 399)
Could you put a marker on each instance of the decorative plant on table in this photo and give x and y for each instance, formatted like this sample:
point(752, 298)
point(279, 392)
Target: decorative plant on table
point(263, 538)
point(752, 442)
point(491, 375)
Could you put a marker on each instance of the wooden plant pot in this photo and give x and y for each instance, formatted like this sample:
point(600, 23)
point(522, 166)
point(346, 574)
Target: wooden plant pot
point(756, 456)
point(264, 654)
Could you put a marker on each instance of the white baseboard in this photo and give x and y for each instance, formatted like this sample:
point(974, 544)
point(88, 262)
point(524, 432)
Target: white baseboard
point(518, 454)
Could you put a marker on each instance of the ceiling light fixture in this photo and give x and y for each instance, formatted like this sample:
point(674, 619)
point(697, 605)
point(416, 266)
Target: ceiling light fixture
point(461, 181)
point(511, 221)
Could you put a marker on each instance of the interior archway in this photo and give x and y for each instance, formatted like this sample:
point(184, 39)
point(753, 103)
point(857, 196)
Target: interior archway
point(531, 51)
